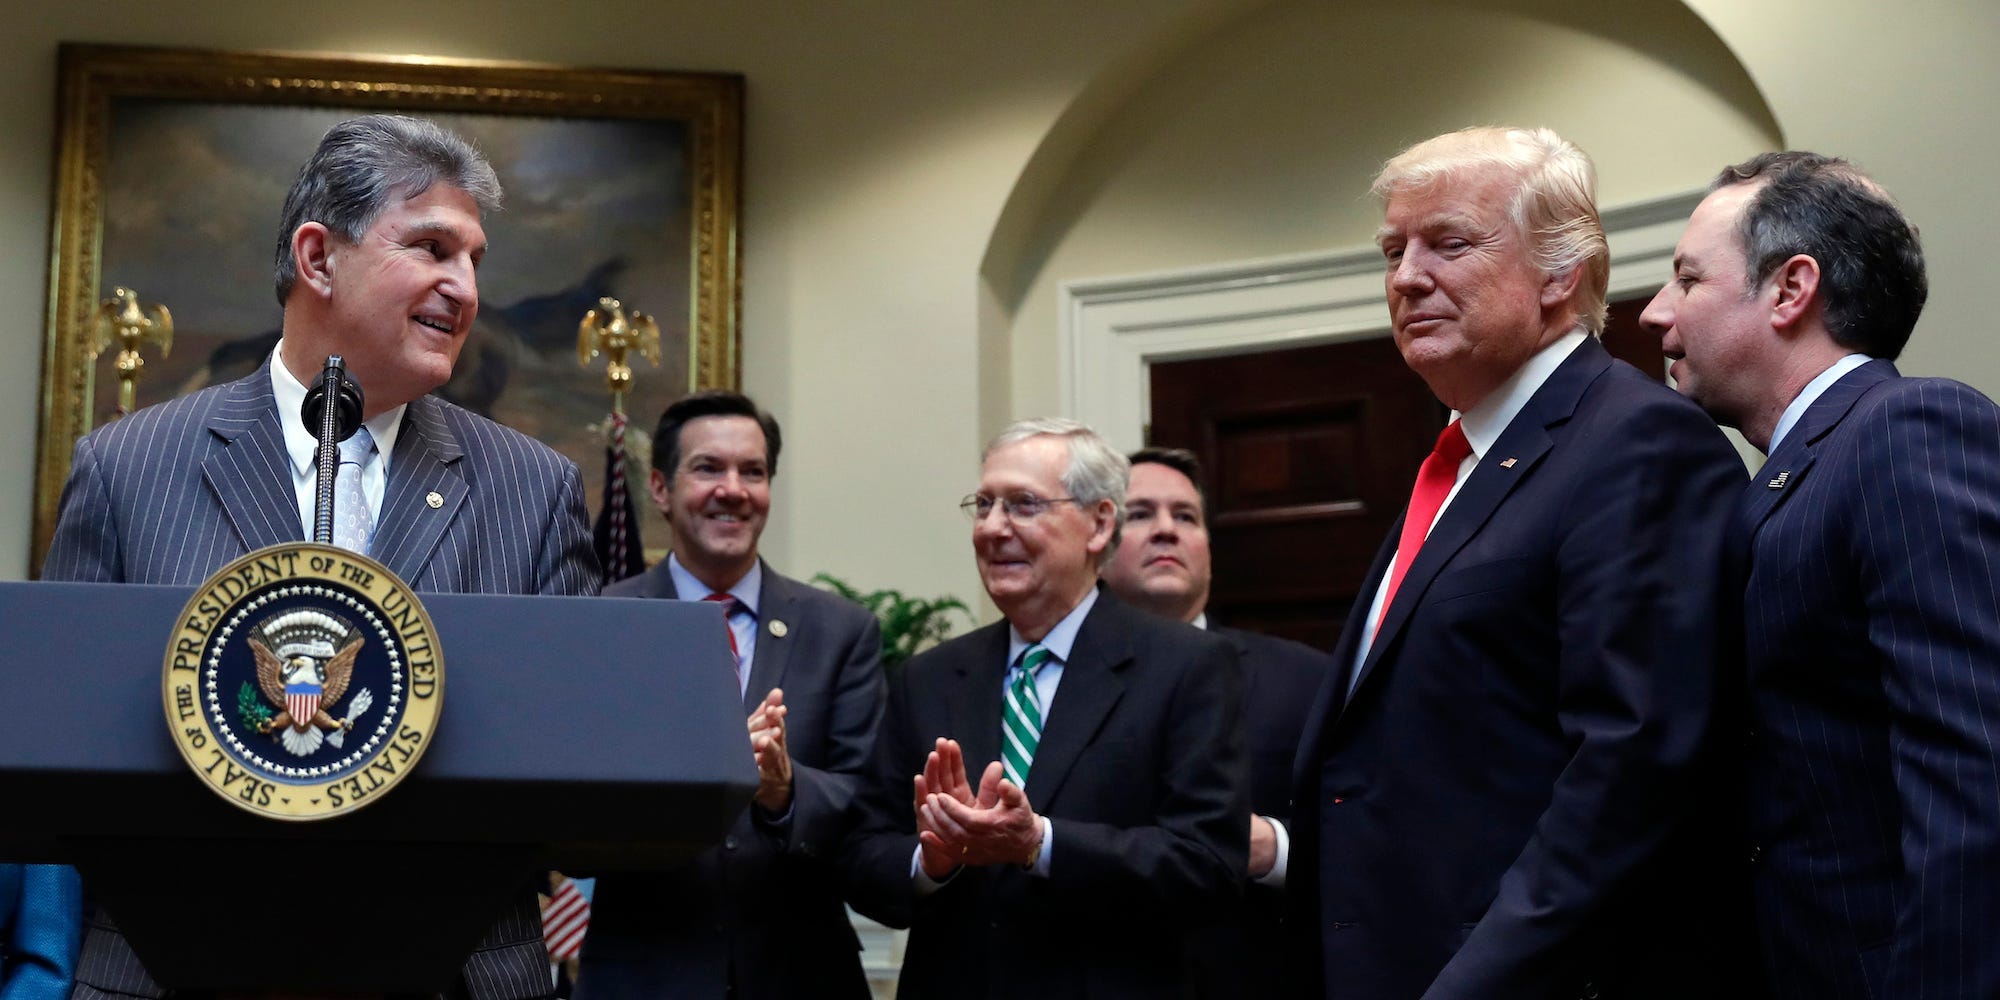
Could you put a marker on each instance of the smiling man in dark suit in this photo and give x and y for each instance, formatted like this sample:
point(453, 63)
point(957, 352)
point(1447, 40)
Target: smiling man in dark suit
point(377, 261)
point(1162, 565)
point(1871, 587)
point(1490, 789)
point(1113, 810)
point(759, 915)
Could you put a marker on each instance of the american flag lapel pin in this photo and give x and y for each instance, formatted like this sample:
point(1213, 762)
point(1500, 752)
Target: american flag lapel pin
point(1778, 481)
point(1507, 463)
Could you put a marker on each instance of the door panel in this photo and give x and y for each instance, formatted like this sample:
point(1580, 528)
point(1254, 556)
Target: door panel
point(1308, 456)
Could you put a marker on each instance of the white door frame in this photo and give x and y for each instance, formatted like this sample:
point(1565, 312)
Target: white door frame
point(1112, 329)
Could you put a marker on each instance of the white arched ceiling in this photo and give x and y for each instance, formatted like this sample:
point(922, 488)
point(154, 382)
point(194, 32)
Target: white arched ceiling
point(1258, 140)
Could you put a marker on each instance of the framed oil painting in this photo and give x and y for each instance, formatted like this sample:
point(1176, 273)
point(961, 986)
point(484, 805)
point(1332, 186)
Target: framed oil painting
point(172, 167)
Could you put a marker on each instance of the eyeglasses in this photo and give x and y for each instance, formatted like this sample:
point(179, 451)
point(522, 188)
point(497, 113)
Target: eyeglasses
point(1013, 506)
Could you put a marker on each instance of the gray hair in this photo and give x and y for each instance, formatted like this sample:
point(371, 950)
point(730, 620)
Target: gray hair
point(363, 162)
point(1554, 204)
point(1096, 470)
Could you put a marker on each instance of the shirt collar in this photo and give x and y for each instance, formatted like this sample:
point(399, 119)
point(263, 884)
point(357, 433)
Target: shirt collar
point(1484, 423)
point(301, 444)
point(747, 591)
point(1820, 383)
point(1200, 621)
point(1061, 638)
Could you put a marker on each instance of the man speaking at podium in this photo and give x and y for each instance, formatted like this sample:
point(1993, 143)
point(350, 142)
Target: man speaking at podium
point(377, 257)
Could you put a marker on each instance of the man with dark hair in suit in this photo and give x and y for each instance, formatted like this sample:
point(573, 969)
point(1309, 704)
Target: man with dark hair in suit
point(1162, 566)
point(759, 915)
point(1492, 792)
point(1870, 584)
point(1113, 811)
point(377, 258)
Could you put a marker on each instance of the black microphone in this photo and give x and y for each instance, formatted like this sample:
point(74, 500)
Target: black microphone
point(332, 424)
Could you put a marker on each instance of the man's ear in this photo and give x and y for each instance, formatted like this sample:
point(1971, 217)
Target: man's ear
point(1796, 283)
point(1104, 523)
point(312, 257)
point(663, 497)
point(1560, 289)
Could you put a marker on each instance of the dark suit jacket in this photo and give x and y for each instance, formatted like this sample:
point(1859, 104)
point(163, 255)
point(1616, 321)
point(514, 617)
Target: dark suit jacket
point(1487, 814)
point(1243, 953)
point(1872, 620)
point(761, 913)
point(171, 493)
point(1140, 770)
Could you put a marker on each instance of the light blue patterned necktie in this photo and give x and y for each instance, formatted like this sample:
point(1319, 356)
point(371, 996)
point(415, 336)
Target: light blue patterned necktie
point(1021, 716)
point(353, 525)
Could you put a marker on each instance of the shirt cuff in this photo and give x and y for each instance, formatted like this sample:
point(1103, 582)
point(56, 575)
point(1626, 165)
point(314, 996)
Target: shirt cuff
point(922, 880)
point(1275, 878)
point(1041, 865)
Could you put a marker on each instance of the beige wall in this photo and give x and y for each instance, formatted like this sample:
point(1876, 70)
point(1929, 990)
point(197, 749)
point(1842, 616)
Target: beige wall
point(1907, 91)
point(1259, 144)
point(883, 138)
point(920, 173)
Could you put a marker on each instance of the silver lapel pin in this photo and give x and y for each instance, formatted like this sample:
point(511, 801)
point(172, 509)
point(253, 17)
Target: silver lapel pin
point(1778, 483)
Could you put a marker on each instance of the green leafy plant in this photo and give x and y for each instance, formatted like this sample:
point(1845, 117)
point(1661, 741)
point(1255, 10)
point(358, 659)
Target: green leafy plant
point(251, 709)
point(908, 623)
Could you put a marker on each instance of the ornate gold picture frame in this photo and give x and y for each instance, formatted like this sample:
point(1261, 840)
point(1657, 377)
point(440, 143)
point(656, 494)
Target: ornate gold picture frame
point(171, 170)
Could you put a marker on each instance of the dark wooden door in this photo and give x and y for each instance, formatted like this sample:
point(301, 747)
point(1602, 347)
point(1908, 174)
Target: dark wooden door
point(1308, 456)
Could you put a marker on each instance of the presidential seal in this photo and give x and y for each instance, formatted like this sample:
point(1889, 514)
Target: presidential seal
point(303, 681)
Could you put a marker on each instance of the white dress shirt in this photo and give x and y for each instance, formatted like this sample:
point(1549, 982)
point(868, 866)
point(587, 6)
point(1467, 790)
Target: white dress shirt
point(302, 444)
point(1483, 425)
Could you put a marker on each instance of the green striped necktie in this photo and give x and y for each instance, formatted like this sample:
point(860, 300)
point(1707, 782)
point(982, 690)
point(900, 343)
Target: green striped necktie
point(1021, 716)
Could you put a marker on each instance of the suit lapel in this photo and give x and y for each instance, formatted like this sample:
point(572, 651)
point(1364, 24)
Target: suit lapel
point(1092, 683)
point(975, 707)
point(1511, 460)
point(1787, 467)
point(658, 583)
point(777, 602)
point(425, 462)
point(252, 477)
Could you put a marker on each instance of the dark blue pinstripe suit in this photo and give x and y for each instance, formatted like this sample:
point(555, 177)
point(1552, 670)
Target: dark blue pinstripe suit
point(1872, 628)
point(171, 493)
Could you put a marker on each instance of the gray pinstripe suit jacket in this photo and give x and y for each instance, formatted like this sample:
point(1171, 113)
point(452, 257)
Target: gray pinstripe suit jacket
point(1872, 627)
point(173, 492)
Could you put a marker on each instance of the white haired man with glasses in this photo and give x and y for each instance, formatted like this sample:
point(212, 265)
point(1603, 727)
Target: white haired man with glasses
point(1112, 804)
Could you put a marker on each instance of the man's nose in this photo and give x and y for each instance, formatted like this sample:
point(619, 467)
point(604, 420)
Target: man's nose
point(461, 285)
point(1410, 273)
point(994, 522)
point(1658, 317)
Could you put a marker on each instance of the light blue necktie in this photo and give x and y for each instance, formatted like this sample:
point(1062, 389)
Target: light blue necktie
point(353, 525)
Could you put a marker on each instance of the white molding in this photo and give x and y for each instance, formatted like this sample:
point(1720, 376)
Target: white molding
point(1113, 328)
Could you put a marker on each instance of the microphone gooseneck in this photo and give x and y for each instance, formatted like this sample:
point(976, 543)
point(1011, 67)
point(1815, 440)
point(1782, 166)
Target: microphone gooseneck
point(331, 425)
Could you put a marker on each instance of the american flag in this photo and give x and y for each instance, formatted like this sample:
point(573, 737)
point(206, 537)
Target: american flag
point(616, 532)
point(565, 918)
point(302, 700)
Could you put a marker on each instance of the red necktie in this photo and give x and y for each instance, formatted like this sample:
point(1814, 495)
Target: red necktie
point(1434, 480)
point(728, 608)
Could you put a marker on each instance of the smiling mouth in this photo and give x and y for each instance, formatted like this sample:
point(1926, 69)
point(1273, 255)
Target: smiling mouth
point(439, 325)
